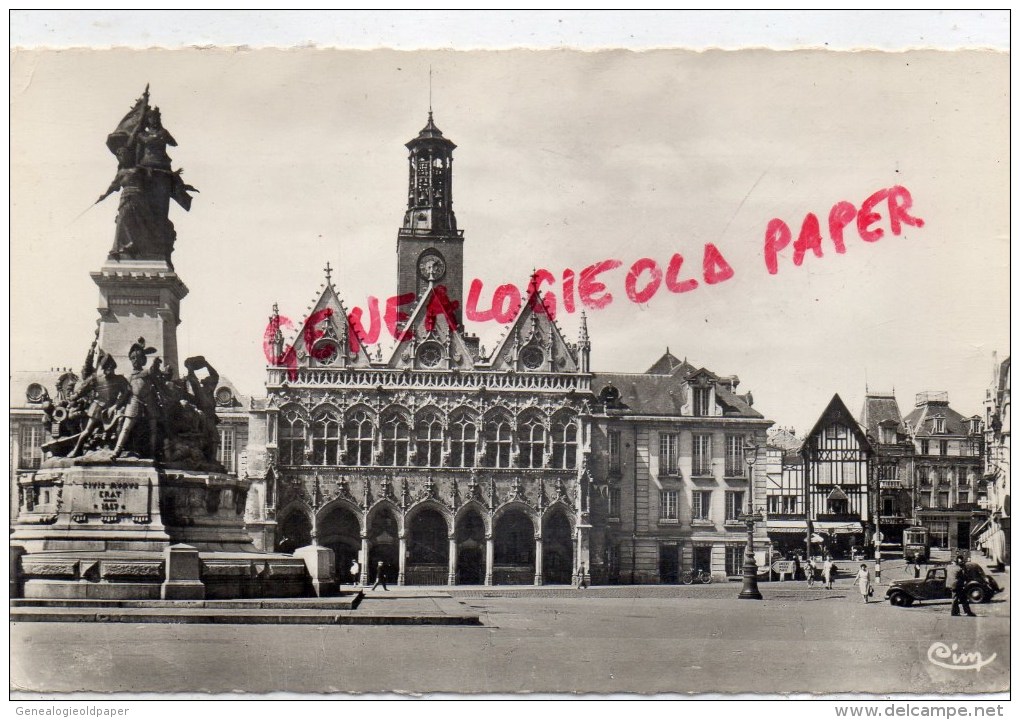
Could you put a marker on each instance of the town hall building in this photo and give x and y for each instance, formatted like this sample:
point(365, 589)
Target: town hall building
point(518, 466)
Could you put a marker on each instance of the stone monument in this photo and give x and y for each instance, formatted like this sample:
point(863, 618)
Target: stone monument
point(130, 501)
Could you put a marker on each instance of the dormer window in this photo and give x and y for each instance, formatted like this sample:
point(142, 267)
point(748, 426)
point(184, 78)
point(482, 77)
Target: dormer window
point(702, 398)
point(938, 425)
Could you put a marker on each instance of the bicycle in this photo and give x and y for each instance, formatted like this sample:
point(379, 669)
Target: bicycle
point(690, 577)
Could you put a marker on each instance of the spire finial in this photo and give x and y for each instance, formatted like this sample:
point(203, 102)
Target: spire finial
point(329, 273)
point(430, 91)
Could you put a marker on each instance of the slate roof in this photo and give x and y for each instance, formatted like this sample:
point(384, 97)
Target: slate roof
point(644, 393)
point(668, 364)
point(879, 409)
point(662, 390)
point(920, 419)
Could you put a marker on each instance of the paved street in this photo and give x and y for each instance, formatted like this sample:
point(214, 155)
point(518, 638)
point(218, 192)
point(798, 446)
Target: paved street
point(698, 640)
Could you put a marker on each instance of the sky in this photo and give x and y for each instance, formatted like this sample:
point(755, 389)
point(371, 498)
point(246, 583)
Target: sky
point(564, 159)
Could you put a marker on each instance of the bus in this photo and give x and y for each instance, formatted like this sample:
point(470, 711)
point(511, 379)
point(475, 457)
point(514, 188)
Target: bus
point(916, 544)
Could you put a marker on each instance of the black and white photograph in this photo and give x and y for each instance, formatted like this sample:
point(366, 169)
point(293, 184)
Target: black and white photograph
point(379, 369)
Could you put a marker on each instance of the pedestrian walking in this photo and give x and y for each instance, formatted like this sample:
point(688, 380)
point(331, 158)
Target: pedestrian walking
point(811, 567)
point(355, 571)
point(827, 568)
point(380, 576)
point(917, 568)
point(582, 579)
point(863, 583)
point(956, 580)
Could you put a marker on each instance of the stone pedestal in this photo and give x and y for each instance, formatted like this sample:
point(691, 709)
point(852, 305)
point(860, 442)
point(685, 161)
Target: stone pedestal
point(139, 298)
point(134, 530)
point(320, 564)
point(183, 574)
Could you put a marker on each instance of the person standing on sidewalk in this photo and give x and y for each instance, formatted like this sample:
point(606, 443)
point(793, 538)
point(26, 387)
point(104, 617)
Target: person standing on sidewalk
point(863, 581)
point(582, 579)
point(355, 569)
point(380, 576)
point(827, 572)
point(811, 572)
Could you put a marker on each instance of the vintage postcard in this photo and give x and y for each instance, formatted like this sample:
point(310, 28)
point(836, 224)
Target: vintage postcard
point(554, 372)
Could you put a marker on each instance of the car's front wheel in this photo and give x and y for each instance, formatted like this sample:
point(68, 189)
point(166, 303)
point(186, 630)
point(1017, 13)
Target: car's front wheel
point(977, 594)
point(900, 599)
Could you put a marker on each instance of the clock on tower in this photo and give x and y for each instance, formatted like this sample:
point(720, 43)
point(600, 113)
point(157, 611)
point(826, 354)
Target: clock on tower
point(430, 248)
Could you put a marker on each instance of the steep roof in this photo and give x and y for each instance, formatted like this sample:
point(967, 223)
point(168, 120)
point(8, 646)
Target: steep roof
point(880, 409)
point(837, 411)
point(666, 365)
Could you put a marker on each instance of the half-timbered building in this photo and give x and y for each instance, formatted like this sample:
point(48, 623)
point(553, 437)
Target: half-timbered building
point(839, 494)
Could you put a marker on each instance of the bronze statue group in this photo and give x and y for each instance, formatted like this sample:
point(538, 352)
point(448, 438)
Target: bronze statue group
point(149, 414)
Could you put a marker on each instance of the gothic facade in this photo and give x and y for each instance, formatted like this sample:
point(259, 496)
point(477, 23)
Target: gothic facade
point(448, 464)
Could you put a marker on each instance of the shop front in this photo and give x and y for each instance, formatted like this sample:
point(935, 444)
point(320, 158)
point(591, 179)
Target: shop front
point(840, 539)
point(788, 535)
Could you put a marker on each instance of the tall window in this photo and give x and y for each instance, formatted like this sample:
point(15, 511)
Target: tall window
point(701, 455)
point(31, 446)
point(924, 447)
point(943, 500)
point(498, 443)
point(887, 435)
point(225, 452)
point(292, 440)
point(734, 559)
point(734, 504)
point(396, 441)
point(702, 396)
point(326, 440)
point(359, 439)
point(668, 453)
point(938, 425)
point(943, 447)
point(463, 435)
point(564, 447)
point(701, 502)
point(614, 502)
point(735, 456)
point(963, 496)
point(531, 439)
point(430, 442)
point(667, 505)
point(614, 451)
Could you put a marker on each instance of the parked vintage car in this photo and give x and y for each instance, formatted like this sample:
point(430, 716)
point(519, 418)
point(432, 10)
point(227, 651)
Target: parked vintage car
point(980, 587)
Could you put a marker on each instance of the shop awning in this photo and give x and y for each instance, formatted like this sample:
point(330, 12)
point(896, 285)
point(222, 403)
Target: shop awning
point(839, 528)
point(980, 528)
point(786, 527)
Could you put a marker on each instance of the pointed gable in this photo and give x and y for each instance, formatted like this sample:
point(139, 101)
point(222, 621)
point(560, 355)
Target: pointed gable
point(836, 412)
point(325, 337)
point(534, 342)
point(431, 338)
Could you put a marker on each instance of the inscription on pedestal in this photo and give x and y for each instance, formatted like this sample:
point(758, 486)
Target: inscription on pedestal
point(113, 500)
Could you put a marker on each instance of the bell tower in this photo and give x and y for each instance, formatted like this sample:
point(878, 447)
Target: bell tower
point(430, 248)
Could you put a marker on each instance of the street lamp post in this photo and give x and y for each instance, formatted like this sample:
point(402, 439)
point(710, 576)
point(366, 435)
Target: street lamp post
point(750, 591)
